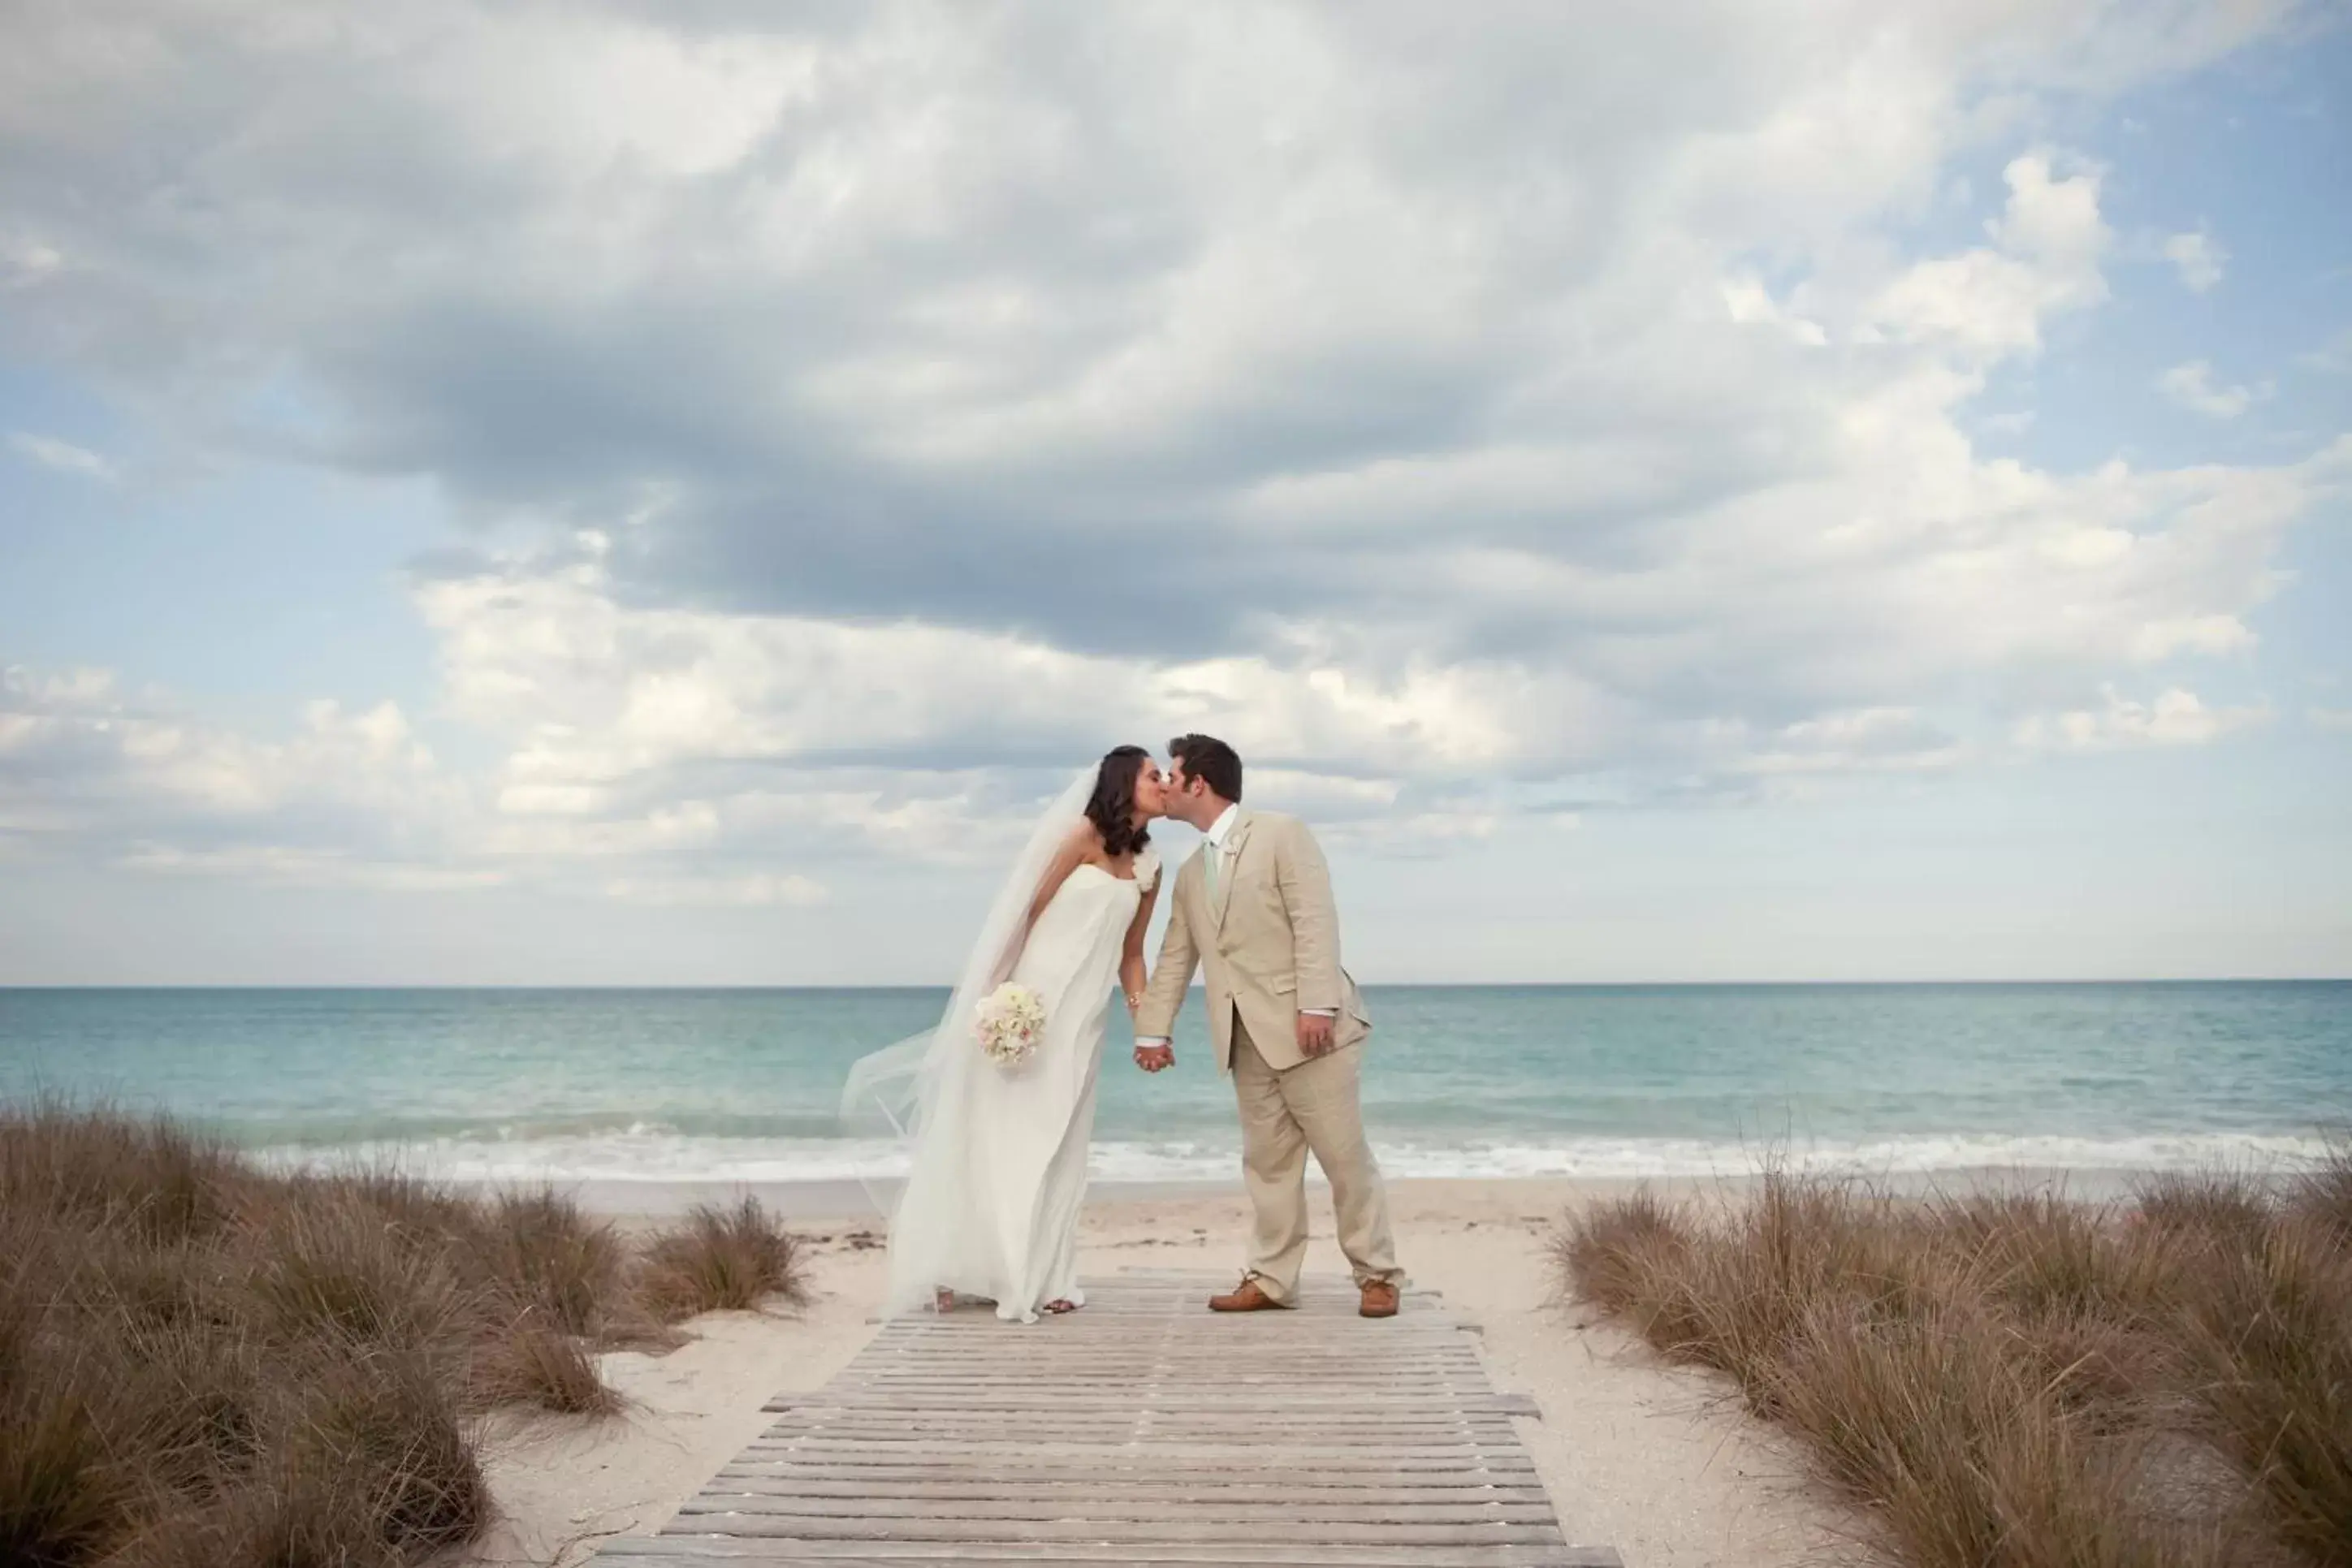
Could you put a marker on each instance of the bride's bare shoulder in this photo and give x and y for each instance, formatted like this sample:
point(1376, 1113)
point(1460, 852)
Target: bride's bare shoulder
point(1081, 846)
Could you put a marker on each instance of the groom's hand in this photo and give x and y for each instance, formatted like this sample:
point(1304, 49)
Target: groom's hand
point(1315, 1034)
point(1155, 1057)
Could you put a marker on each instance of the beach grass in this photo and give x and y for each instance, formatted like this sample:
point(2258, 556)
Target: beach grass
point(718, 1259)
point(2011, 1378)
point(203, 1363)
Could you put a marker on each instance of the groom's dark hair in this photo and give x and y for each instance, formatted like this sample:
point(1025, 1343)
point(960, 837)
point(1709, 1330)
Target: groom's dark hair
point(1210, 760)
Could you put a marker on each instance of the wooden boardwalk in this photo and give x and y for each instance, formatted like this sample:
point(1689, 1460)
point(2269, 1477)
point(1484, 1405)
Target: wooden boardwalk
point(1144, 1429)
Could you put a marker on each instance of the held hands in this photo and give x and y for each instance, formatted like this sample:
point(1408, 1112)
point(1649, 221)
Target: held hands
point(1316, 1037)
point(1316, 1034)
point(1152, 1057)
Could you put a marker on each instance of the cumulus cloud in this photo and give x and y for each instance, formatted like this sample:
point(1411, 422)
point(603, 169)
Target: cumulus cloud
point(78, 729)
point(63, 456)
point(289, 865)
point(724, 891)
point(2190, 385)
point(863, 416)
point(1869, 739)
point(2335, 356)
point(2200, 258)
point(1992, 301)
point(2175, 717)
point(346, 800)
point(83, 763)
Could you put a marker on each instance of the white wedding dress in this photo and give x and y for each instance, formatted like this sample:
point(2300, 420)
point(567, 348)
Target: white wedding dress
point(997, 1171)
point(1025, 1176)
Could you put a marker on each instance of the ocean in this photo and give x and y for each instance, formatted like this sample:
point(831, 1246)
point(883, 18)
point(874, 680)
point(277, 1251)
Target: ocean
point(741, 1085)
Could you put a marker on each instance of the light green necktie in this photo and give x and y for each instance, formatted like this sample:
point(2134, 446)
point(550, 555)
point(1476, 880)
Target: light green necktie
point(1208, 867)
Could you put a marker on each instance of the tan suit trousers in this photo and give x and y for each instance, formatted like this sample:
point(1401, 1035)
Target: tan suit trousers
point(1285, 1115)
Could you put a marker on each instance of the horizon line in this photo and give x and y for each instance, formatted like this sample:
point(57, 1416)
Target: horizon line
point(1369, 986)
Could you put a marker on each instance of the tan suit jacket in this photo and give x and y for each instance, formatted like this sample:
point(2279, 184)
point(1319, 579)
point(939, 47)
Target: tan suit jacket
point(1269, 943)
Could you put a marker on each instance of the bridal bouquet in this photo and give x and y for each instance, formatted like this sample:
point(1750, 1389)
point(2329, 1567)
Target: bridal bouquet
point(1010, 1023)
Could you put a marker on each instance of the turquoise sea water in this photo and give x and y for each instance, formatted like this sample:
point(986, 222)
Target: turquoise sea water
point(742, 1084)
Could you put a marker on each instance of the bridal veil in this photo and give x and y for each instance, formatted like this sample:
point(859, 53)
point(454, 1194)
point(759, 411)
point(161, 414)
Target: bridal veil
point(914, 1091)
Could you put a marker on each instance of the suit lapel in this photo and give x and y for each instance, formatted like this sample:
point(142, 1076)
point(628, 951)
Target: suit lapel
point(1235, 840)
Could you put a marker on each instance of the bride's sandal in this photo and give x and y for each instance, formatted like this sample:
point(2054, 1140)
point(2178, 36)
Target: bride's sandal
point(1059, 1306)
point(944, 1301)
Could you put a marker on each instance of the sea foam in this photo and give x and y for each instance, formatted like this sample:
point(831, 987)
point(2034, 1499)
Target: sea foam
point(648, 1155)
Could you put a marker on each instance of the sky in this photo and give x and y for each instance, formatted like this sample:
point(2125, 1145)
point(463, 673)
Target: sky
point(632, 493)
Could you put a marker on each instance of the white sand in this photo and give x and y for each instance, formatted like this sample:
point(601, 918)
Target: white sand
point(1655, 1462)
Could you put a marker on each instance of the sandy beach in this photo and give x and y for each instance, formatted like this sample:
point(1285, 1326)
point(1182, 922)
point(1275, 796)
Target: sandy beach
point(1645, 1457)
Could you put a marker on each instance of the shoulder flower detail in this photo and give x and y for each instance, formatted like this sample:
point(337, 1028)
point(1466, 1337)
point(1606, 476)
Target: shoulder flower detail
point(1147, 870)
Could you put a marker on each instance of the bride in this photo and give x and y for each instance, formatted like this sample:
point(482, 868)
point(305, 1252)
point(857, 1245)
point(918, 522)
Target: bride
point(991, 1205)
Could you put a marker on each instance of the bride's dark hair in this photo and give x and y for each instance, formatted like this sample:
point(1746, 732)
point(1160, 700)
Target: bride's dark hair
point(1112, 807)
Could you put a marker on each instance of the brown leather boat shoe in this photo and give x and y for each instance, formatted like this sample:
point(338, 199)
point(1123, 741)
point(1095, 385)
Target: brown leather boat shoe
point(1380, 1300)
point(1244, 1298)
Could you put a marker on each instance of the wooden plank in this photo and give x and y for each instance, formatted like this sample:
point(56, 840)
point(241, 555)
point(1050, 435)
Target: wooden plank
point(1141, 1430)
point(1118, 1465)
point(1339, 1426)
point(1071, 1503)
point(1003, 1371)
point(1233, 1348)
point(1012, 1451)
point(882, 1429)
point(1342, 1435)
point(1235, 1484)
point(819, 1471)
point(689, 1549)
point(1139, 1402)
point(1197, 1531)
point(985, 1370)
point(1095, 1413)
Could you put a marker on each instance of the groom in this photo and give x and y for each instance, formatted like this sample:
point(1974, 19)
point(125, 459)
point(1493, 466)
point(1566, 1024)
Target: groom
point(1253, 905)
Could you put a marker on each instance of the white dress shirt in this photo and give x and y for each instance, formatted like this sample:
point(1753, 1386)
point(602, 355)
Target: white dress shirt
point(1220, 868)
point(1216, 836)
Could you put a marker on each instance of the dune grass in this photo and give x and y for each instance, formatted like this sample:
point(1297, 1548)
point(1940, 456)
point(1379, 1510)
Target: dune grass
point(206, 1364)
point(718, 1259)
point(2009, 1378)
